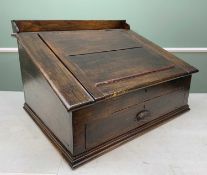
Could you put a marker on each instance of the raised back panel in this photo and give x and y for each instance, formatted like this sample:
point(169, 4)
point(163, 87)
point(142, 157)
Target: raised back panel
point(66, 25)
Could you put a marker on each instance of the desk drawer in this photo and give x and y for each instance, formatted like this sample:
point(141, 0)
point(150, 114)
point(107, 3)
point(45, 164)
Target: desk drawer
point(112, 105)
point(104, 129)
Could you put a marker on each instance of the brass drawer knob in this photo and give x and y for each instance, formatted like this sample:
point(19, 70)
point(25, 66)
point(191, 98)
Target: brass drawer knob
point(143, 114)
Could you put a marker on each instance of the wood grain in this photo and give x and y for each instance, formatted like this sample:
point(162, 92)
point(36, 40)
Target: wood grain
point(133, 76)
point(67, 88)
point(76, 161)
point(157, 49)
point(120, 57)
point(39, 94)
point(66, 25)
point(129, 102)
point(94, 85)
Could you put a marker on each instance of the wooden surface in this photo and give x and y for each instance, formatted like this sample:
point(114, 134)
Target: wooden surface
point(110, 62)
point(115, 72)
point(126, 61)
point(71, 94)
point(76, 161)
point(177, 147)
point(125, 120)
point(157, 49)
point(93, 90)
point(61, 25)
point(117, 115)
point(39, 94)
point(84, 42)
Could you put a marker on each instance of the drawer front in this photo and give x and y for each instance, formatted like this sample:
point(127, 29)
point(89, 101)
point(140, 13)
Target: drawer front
point(105, 108)
point(119, 122)
point(88, 122)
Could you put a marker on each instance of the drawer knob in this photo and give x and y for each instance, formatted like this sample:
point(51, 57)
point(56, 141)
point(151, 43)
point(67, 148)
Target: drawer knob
point(143, 114)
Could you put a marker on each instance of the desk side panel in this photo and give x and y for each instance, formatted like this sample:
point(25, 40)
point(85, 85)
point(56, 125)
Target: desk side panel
point(42, 100)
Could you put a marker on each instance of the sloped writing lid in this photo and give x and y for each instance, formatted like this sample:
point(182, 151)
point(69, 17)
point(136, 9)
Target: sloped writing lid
point(88, 60)
point(109, 62)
